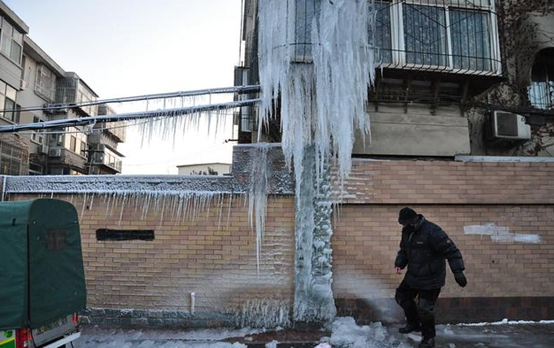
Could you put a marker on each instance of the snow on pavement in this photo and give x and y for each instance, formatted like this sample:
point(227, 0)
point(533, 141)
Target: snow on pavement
point(345, 333)
point(103, 338)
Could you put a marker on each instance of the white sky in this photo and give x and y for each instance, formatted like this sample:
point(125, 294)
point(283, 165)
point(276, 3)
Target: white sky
point(133, 47)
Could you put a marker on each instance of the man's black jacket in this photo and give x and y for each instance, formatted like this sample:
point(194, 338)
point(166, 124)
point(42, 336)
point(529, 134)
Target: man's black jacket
point(424, 250)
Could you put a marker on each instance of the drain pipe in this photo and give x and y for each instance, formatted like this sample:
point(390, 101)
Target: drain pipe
point(4, 179)
point(192, 302)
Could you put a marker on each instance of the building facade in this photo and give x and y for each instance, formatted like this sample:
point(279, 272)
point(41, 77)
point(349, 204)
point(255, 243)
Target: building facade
point(14, 158)
point(104, 158)
point(31, 81)
point(215, 168)
point(453, 77)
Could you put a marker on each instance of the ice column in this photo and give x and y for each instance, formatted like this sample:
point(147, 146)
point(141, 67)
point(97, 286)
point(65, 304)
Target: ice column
point(313, 300)
point(322, 105)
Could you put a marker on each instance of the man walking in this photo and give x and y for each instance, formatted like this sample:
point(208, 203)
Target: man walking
point(424, 248)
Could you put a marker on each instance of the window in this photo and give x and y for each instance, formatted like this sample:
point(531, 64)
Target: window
point(84, 149)
point(381, 37)
point(37, 135)
point(470, 35)
point(441, 35)
point(449, 35)
point(305, 12)
point(541, 90)
point(11, 42)
point(7, 102)
point(425, 35)
point(11, 159)
point(45, 85)
point(73, 144)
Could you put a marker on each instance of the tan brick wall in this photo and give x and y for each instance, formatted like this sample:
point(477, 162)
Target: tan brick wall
point(444, 182)
point(366, 241)
point(213, 255)
point(519, 196)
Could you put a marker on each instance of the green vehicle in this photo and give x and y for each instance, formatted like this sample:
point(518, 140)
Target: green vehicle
point(42, 281)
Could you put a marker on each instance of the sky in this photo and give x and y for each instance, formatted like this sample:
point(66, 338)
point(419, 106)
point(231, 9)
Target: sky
point(133, 47)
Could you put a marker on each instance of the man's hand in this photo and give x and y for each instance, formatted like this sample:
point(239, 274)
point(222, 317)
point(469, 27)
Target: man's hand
point(398, 270)
point(460, 278)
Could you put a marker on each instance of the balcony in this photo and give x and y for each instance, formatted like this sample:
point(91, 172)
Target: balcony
point(60, 157)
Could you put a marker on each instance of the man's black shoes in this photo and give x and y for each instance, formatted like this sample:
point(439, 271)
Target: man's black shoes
point(427, 343)
point(409, 328)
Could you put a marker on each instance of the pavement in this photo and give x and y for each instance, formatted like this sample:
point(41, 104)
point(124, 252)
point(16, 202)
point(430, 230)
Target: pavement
point(448, 336)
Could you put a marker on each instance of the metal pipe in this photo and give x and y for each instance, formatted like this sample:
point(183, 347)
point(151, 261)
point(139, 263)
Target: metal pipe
point(223, 90)
point(83, 121)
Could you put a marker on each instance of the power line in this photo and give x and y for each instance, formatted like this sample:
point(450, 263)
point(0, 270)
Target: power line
point(145, 97)
point(90, 120)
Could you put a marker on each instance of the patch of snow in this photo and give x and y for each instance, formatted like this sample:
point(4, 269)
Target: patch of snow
point(501, 234)
point(347, 334)
point(272, 344)
point(509, 322)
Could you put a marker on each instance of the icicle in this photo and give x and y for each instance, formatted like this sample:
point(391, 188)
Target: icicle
point(257, 196)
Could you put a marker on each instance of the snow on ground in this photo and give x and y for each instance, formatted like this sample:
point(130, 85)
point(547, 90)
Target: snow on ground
point(102, 338)
point(345, 333)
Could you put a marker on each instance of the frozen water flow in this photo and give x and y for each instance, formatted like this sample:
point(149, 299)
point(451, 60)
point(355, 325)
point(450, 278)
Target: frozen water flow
point(321, 103)
point(258, 196)
point(321, 106)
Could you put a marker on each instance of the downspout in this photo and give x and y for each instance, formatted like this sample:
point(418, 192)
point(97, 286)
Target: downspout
point(4, 179)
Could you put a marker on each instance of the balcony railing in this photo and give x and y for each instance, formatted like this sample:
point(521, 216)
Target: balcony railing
point(454, 36)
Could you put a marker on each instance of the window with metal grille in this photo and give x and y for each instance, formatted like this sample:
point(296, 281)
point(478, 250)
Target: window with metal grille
point(458, 36)
point(541, 89)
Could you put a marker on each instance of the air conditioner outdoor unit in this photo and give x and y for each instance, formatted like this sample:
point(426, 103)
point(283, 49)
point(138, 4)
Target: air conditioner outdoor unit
point(43, 149)
point(61, 111)
point(55, 152)
point(510, 126)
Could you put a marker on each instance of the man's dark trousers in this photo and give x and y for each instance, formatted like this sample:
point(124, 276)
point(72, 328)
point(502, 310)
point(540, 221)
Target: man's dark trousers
point(424, 313)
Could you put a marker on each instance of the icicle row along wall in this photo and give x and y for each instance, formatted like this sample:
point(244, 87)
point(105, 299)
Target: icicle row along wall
point(315, 61)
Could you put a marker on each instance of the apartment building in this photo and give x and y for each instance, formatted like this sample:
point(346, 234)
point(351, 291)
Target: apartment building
point(104, 157)
point(453, 77)
point(39, 81)
point(68, 149)
point(30, 80)
point(14, 149)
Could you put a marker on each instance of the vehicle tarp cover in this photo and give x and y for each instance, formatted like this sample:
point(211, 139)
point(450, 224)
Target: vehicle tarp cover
point(41, 275)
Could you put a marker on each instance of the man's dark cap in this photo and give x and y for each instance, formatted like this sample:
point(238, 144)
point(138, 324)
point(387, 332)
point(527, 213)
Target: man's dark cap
point(406, 215)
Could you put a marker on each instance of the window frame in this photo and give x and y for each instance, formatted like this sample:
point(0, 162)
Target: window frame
point(11, 40)
point(73, 144)
point(398, 44)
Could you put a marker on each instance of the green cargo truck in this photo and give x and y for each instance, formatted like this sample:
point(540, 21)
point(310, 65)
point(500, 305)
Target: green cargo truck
point(42, 282)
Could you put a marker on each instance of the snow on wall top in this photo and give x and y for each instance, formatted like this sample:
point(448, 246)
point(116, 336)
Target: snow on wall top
point(279, 180)
point(121, 184)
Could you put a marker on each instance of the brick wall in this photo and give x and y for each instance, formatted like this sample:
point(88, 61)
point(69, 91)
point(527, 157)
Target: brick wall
point(212, 254)
point(516, 196)
point(446, 182)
